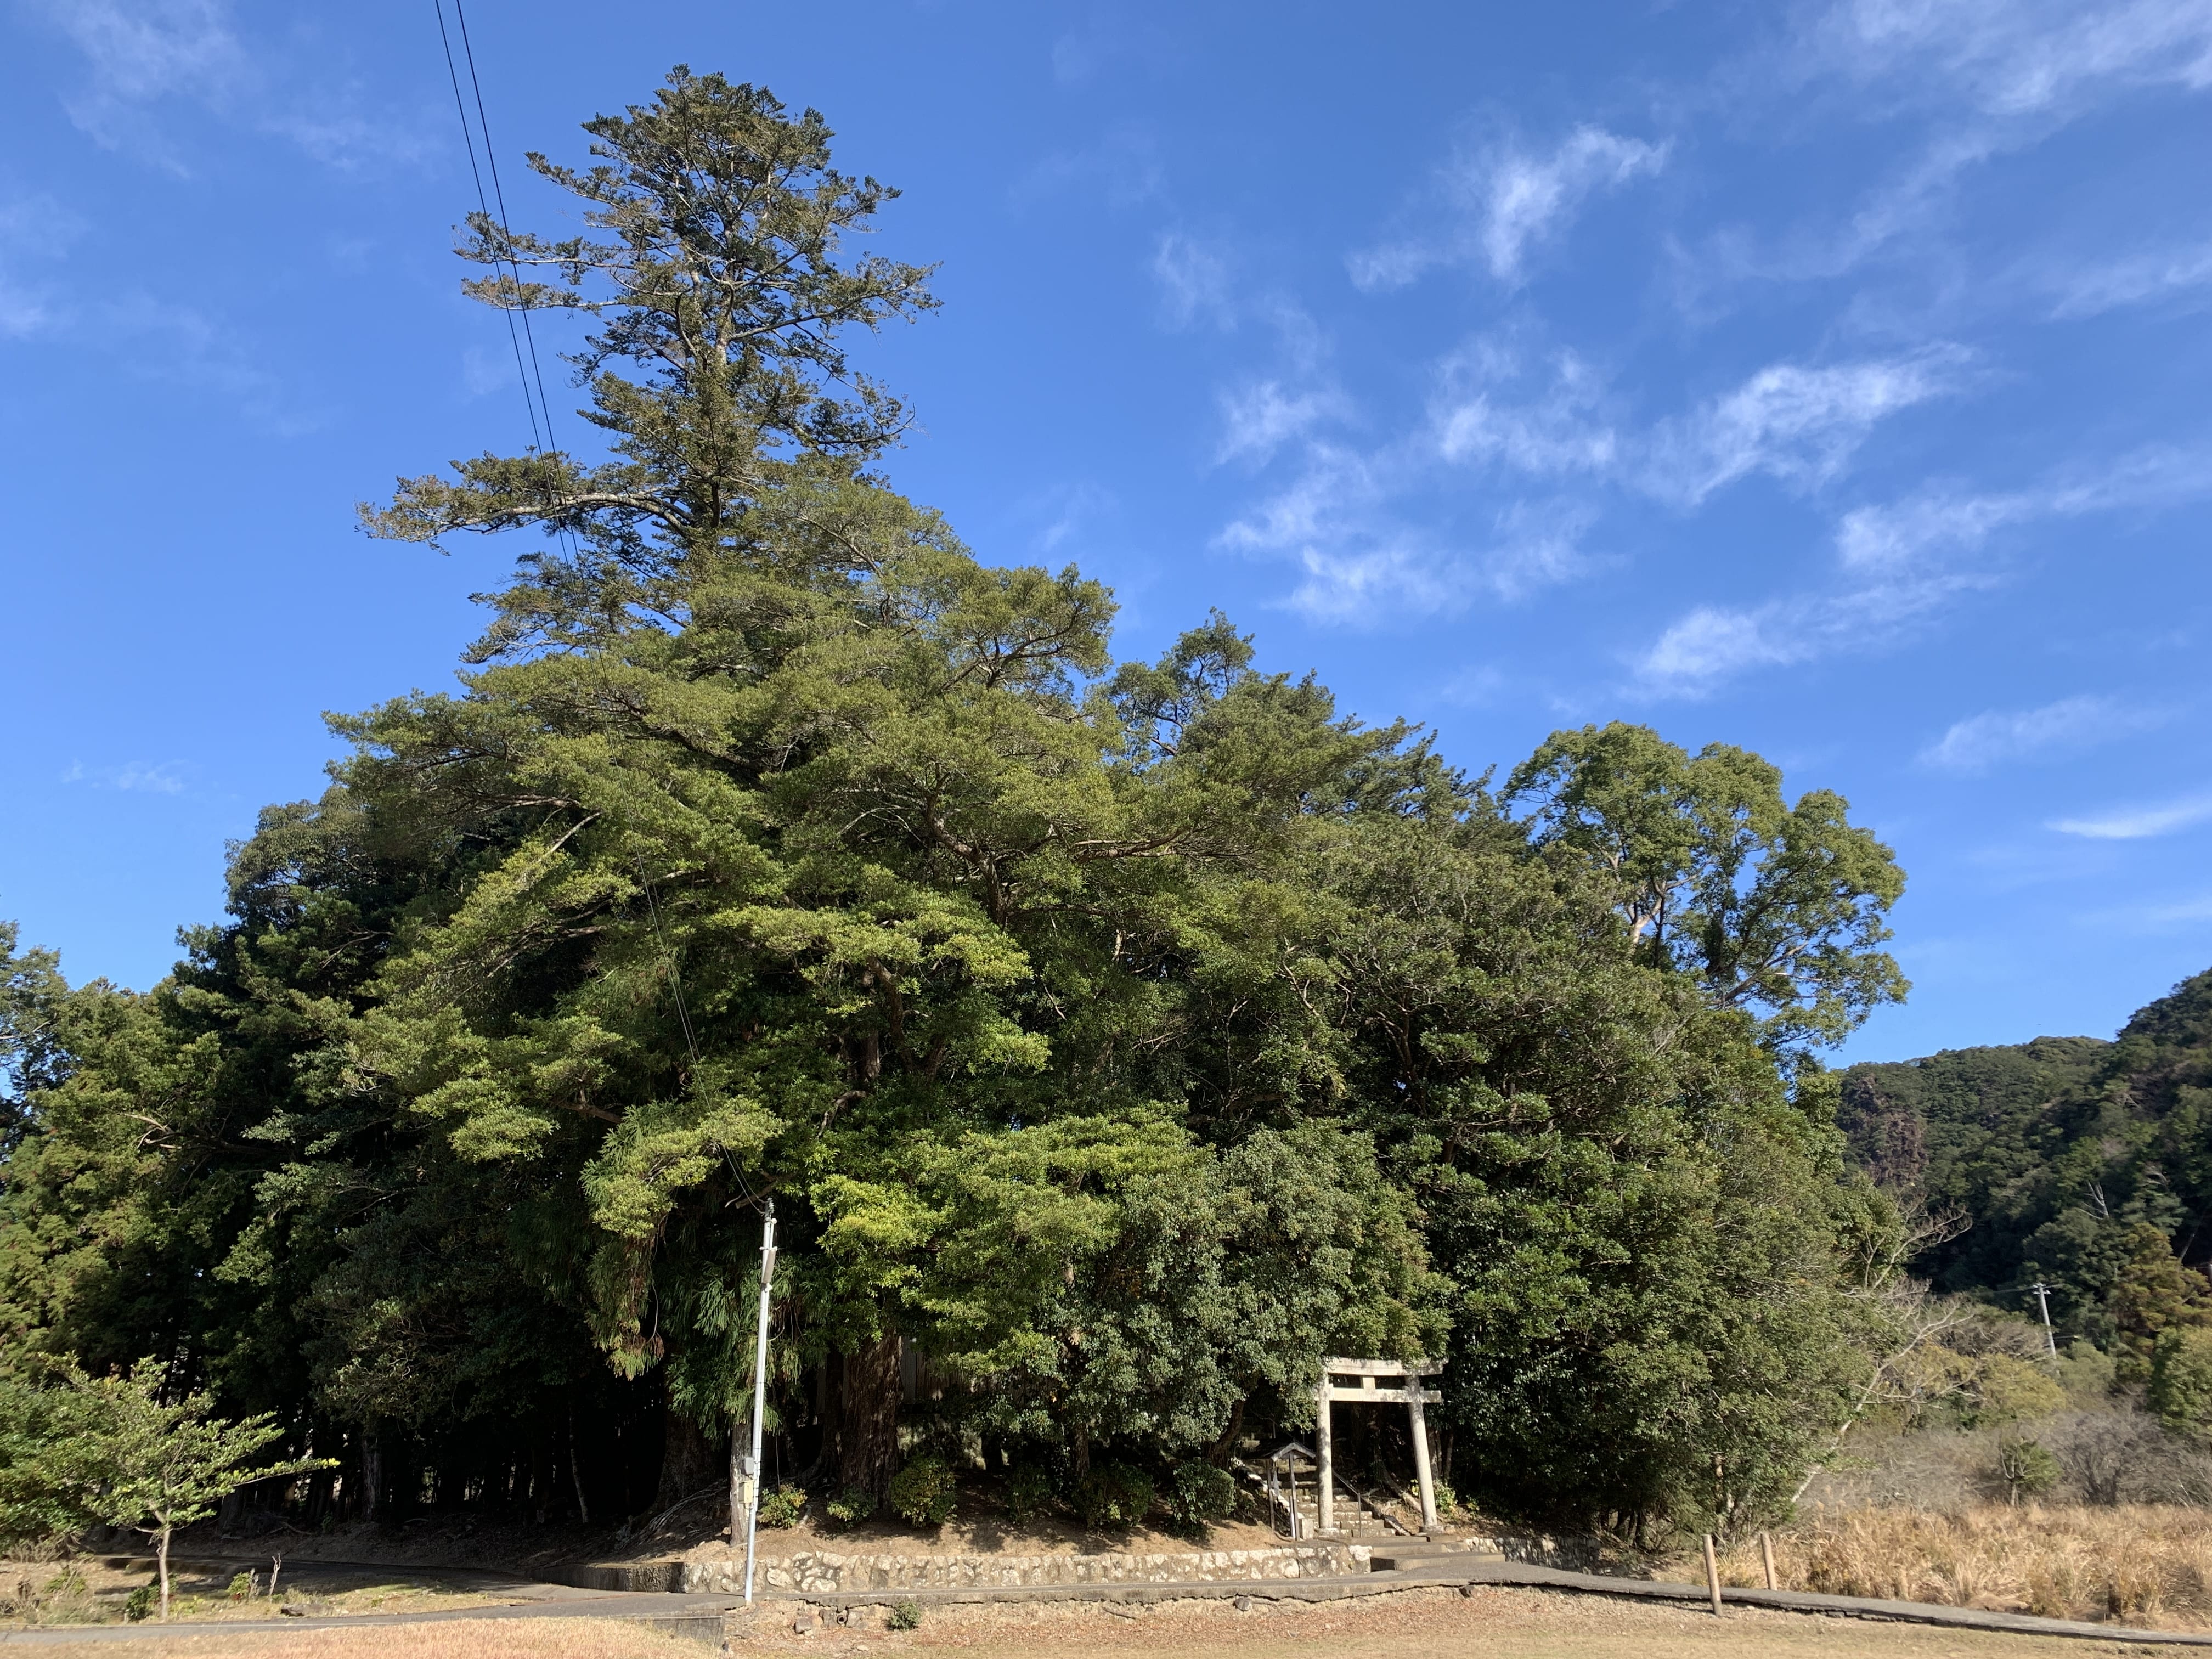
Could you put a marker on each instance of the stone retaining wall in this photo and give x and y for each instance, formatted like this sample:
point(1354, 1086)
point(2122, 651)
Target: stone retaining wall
point(1574, 1555)
point(820, 1572)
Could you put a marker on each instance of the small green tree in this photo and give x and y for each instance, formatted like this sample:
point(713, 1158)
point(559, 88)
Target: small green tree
point(2181, 1380)
point(111, 1450)
point(2026, 1467)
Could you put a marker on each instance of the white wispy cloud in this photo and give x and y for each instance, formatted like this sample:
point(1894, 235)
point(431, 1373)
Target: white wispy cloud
point(1335, 489)
point(1558, 427)
point(143, 51)
point(1530, 549)
point(1537, 420)
point(1972, 80)
point(184, 344)
point(1361, 562)
point(139, 54)
point(1258, 418)
point(1903, 564)
point(1801, 422)
point(1059, 515)
point(1504, 201)
point(2014, 57)
point(1795, 422)
point(35, 230)
point(2139, 822)
point(164, 779)
point(1942, 522)
point(1976, 743)
point(1123, 166)
point(1711, 644)
point(483, 373)
point(2138, 280)
point(1193, 278)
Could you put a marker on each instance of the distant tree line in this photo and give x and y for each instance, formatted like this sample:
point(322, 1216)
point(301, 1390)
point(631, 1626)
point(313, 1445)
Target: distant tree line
point(2082, 1165)
point(1115, 1039)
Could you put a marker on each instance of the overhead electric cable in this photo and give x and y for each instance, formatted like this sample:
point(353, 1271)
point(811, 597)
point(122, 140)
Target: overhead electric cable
point(468, 138)
point(492, 158)
point(683, 1016)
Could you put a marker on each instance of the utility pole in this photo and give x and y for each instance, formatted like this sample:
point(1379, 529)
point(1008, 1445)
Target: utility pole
point(750, 1470)
point(2043, 1298)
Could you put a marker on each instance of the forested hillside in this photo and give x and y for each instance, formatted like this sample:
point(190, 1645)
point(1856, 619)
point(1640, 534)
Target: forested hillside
point(1113, 1038)
point(2083, 1163)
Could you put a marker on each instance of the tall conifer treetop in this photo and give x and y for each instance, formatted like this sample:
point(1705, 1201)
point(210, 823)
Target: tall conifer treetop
point(1115, 1039)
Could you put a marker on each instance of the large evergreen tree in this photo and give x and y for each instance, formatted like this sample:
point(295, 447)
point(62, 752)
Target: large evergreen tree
point(1114, 1041)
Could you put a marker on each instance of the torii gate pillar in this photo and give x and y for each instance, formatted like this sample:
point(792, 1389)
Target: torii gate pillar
point(1368, 1391)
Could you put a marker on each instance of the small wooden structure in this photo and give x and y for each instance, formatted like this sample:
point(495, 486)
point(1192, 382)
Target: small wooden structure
point(1366, 1388)
point(1283, 1481)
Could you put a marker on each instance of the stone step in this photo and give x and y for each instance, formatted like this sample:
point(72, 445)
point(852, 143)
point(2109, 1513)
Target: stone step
point(1412, 1552)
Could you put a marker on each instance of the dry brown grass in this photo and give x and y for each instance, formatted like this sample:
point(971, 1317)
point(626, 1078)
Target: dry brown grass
point(1494, 1624)
point(86, 1591)
point(2147, 1563)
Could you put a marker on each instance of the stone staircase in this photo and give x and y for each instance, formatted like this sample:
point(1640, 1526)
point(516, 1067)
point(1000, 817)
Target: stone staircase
point(1362, 1517)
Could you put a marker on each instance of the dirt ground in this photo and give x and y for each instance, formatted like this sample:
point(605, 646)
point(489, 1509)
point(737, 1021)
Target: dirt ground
point(1493, 1624)
point(36, 1594)
point(696, 1533)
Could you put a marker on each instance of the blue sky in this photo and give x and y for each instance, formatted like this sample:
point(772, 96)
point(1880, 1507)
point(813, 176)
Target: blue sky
point(1828, 379)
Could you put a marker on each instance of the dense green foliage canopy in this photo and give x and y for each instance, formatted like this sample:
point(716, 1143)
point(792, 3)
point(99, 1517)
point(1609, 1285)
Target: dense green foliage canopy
point(1113, 1039)
point(2083, 1164)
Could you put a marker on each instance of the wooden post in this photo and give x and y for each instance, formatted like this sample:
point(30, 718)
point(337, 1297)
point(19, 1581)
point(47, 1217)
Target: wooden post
point(1712, 1576)
point(1766, 1549)
point(1421, 1457)
point(1325, 1454)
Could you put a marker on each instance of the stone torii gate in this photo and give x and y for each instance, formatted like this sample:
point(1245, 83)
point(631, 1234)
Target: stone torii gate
point(1369, 1391)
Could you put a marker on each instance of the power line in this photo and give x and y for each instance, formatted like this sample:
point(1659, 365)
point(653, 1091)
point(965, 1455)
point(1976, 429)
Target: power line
point(492, 158)
point(668, 960)
point(683, 1020)
point(468, 138)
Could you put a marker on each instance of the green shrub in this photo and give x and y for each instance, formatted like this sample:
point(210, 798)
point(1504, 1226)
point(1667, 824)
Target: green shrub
point(903, 1615)
point(1113, 1497)
point(242, 1586)
point(1199, 1494)
point(2181, 1380)
point(1029, 1492)
point(782, 1507)
point(2026, 1468)
point(2009, 1389)
point(139, 1604)
point(2088, 1375)
point(924, 1492)
point(850, 1507)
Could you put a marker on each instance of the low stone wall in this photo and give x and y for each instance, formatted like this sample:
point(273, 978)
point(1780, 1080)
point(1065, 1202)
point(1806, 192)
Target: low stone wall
point(816, 1573)
point(1538, 1550)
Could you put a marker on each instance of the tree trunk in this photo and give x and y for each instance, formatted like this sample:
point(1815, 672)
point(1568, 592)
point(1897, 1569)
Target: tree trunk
point(541, 1470)
point(372, 1474)
point(868, 1453)
point(1221, 1450)
point(830, 1412)
point(162, 1554)
point(576, 1472)
point(687, 1461)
